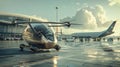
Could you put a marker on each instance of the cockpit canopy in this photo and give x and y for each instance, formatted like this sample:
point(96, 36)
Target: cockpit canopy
point(45, 30)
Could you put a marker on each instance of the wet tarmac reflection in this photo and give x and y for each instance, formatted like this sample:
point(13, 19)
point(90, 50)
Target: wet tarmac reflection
point(55, 59)
point(72, 54)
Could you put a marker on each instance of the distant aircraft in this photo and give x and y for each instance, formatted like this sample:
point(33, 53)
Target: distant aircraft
point(96, 34)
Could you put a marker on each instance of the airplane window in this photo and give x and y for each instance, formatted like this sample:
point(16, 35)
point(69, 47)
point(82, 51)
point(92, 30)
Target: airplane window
point(46, 31)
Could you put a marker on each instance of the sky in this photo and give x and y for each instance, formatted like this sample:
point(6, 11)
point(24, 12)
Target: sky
point(47, 8)
point(93, 14)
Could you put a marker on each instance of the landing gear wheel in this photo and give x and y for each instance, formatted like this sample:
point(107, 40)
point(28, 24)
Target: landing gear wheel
point(57, 47)
point(32, 49)
point(22, 47)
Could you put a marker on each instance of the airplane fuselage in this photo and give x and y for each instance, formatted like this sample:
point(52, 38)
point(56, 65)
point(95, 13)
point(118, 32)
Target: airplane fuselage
point(96, 34)
point(45, 39)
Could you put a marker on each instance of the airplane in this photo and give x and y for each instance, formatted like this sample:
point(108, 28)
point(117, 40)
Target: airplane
point(96, 34)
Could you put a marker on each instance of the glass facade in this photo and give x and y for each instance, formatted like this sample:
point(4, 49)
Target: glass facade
point(12, 31)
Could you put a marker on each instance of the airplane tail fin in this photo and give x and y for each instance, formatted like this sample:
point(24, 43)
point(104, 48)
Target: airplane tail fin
point(109, 30)
point(111, 27)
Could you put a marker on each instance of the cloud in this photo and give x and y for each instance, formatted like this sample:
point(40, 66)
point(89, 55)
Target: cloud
point(86, 18)
point(90, 17)
point(100, 15)
point(114, 2)
point(77, 3)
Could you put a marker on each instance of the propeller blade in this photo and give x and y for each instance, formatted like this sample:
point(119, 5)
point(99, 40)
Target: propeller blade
point(68, 24)
point(75, 24)
point(56, 25)
point(24, 22)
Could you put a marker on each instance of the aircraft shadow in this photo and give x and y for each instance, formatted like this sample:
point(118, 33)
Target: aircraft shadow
point(16, 51)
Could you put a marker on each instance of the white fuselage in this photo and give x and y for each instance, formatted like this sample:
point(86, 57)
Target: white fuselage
point(95, 34)
point(88, 34)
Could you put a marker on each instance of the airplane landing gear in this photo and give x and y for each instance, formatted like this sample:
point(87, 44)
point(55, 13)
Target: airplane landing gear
point(57, 47)
point(22, 47)
point(33, 49)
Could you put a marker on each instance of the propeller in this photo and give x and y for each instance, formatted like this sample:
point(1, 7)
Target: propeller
point(68, 24)
point(58, 24)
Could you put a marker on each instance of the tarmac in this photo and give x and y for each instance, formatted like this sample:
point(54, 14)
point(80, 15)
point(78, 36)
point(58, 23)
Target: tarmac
point(72, 54)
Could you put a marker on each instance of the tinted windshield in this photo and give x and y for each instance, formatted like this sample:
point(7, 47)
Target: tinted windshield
point(45, 30)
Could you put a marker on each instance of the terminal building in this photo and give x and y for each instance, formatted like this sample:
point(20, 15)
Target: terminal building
point(11, 31)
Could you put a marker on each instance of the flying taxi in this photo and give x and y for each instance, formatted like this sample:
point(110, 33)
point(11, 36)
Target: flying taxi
point(40, 35)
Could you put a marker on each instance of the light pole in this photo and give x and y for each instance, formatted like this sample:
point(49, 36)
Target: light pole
point(56, 14)
point(56, 21)
point(58, 30)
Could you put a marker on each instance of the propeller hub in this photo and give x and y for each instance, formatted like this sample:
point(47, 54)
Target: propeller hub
point(67, 24)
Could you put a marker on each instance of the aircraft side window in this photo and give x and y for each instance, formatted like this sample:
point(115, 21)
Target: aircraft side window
point(45, 31)
point(50, 36)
